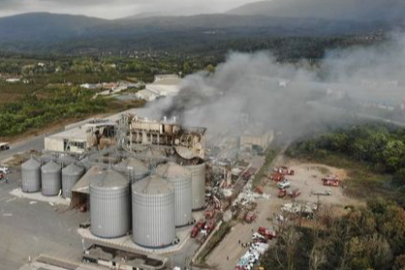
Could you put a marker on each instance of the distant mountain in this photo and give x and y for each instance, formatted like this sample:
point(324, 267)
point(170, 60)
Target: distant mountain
point(349, 10)
point(44, 26)
point(145, 15)
point(46, 32)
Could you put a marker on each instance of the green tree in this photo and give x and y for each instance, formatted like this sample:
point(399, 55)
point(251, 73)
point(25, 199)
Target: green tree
point(394, 154)
point(399, 263)
point(399, 177)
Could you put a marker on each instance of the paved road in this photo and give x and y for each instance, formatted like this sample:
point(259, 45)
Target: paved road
point(36, 143)
point(29, 229)
point(183, 258)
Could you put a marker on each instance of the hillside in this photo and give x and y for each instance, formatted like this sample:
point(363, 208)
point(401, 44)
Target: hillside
point(44, 26)
point(45, 33)
point(350, 10)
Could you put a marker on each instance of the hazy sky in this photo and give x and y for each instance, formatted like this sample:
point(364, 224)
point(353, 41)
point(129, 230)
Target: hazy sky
point(111, 9)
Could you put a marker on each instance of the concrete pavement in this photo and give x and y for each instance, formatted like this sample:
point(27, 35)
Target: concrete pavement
point(35, 143)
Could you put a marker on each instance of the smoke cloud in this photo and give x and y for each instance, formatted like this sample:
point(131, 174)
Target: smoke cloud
point(254, 92)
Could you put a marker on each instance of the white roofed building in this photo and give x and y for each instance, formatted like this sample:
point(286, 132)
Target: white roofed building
point(164, 85)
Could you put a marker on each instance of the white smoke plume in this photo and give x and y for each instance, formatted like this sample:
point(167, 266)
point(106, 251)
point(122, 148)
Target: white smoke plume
point(267, 95)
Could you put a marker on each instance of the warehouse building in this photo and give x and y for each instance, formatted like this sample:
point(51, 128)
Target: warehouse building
point(163, 86)
point(96, 133)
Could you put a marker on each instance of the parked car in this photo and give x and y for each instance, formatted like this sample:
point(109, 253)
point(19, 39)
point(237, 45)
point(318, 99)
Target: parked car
point(284, 184)
point(4, 146)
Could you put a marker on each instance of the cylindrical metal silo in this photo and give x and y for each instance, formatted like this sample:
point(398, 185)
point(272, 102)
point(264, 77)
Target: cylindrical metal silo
point(51, 179)
point(31, 176)
point(109, 204)
point(67, 160)
point(70, 175)
point(153, 212)
point(134, 169)
point(180, 177)
point(47, 158)
point(152, 153)
point(198, 185)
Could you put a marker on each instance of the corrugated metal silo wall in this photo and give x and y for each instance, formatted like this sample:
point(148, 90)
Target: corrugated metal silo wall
point(135, 176)
point(198, 185)
point(68, 182)
point(31, 180)
point(153, 219)
point(109, 211)
point(51, 183)
point(183, 200)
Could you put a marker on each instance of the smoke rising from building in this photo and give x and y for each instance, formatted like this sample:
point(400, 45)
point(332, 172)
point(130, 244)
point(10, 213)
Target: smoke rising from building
point(254, 91)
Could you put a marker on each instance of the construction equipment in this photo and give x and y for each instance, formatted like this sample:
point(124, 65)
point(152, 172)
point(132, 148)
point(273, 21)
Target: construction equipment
point(266, 233)
point(197, 228)
point(284, 170)
point(278, 177)
point(282, 193)
point(209, 213)
point(294, 193)
point(291, 194)
point(331, 180)
point(250, 217)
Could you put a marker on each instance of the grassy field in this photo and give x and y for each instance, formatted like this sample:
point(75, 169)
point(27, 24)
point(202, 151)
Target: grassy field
point(362, 181)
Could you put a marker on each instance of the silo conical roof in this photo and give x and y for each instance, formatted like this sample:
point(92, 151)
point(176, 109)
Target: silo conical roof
point(31, 164)
point(153, 184)
point(134, 164)
point(108, 179)
point(172, 170)
point(153, 153)
point(50, 167)
point(73, 169)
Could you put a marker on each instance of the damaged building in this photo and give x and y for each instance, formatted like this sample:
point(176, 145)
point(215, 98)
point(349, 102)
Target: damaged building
point(96, 134)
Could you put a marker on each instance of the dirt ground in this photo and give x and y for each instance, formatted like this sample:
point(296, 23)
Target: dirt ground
point(307, 178)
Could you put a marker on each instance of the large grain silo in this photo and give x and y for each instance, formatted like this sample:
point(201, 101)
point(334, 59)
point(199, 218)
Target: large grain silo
point(152, 153)
point(70, 175)
point(31, 176)
point(109, 204)
point(45, 158)
point(51, 179)
point(153, 212)
point(198, 185)
point(134, 169)
point(67, 160)
point(180, 177)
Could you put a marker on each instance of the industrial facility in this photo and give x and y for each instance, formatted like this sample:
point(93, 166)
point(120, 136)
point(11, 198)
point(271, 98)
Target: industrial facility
point(149, 186)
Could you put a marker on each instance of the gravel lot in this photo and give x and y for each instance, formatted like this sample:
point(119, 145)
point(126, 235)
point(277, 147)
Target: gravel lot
point(307, 178)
